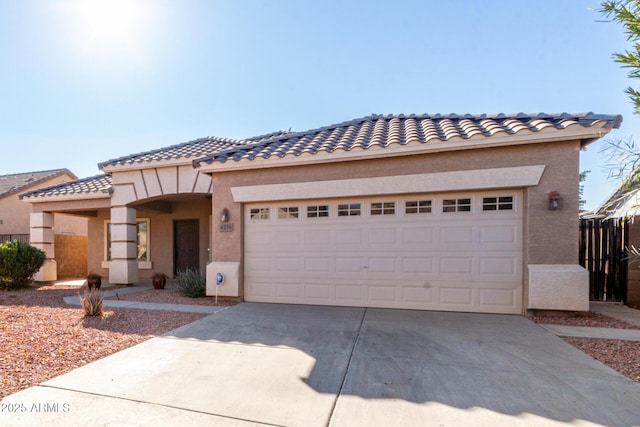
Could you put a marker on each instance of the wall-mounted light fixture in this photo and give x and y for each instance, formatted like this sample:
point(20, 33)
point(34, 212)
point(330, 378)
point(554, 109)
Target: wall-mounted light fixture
point(224, 215)
point(554, 201)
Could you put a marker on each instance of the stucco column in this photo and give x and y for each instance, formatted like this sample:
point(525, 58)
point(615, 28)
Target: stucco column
point(41, 236)
point(123, 267)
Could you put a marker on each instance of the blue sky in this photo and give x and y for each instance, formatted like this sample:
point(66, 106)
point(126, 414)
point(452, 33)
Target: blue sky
point(85, 81)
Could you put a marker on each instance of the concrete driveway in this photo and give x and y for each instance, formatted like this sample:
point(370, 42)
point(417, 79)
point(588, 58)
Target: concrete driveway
point(289, 365)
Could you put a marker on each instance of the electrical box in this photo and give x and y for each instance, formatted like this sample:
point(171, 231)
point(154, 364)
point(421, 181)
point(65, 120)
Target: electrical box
point(228, 286)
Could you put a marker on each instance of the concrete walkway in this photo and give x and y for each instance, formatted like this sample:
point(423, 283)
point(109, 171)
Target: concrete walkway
point(289, 365)
point(615, 311)
point(110, 291)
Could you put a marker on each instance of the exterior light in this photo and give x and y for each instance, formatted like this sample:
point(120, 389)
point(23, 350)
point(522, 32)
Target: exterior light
point(224, 215)
point(554, 201)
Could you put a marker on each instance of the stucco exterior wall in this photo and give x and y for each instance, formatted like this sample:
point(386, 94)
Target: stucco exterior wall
point(14, 214)
point(551, 237)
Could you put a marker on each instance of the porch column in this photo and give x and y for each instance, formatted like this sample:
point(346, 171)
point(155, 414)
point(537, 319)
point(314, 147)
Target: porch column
point(41, 236)
point(123, 267)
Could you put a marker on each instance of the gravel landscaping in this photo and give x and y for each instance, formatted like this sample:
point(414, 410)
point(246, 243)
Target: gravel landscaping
point(42, 337)
point(623, 356)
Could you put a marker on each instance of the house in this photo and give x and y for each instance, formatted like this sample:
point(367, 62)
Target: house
point(70, 233)
point(616, 223)
point(449, 212)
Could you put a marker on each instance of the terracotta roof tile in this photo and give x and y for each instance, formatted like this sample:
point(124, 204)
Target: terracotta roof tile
point(94, 184)
point(191, 149)
point(385, 130)
point(14, 183)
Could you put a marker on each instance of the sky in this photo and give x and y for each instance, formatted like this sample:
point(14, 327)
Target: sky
point(82, 82)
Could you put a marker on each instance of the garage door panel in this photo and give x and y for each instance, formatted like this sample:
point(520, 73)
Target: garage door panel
point(450, 235)
point(469, 261)
point(503, 298)
point(499, 266)
point(423, 265)
point(317, 264)
point(456, 266)
point(287, 264)
point(349, 264)
point(288, 239)
point(316, 238)
point(456, 296)
point(382, 265)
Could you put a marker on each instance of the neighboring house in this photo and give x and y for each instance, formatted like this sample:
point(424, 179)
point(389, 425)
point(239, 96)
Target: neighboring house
point(623, 206)
point(70, 233)
point(439, 212)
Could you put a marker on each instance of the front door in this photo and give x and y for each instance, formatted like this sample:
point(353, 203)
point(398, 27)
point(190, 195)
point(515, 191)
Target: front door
point(186, 243)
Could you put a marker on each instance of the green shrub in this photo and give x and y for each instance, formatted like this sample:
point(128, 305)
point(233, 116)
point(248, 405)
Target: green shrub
point(191, 283)
point(18, 263)
point(91, 302)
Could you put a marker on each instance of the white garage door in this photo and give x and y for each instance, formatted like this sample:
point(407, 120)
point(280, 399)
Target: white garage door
point(454, 252)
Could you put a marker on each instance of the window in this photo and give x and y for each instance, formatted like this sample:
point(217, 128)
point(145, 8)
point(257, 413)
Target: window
point(142, 240)
point(503, 203)
point(320, 211)
point(351, 209)
point(417, 206)
point(288, 213)
point(386, 208)
point(456, 205)
point(259, 213)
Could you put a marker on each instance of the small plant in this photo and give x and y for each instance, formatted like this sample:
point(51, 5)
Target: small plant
point(94, 281)
point(18, 263)
point(91, 302)
point(191, 283)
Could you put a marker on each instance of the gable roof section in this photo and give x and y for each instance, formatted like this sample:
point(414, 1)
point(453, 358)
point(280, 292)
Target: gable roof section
point(15, 183)
point(92, 187)
point(184, 151)
point(407, 134)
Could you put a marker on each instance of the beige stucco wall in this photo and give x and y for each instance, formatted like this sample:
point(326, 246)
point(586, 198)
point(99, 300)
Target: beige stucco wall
point(551, 237)
point(14, 213)
point(160, 239)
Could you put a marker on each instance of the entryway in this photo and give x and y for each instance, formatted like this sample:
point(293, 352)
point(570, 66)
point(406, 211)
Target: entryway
point(186, 243)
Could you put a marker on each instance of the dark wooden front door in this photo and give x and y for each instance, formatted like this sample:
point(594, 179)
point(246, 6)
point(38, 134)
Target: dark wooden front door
point(186, 243)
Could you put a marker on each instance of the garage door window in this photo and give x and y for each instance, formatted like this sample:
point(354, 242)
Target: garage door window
point(351, 209)
point(456, 205)
point(503, 203)
point(288, 213)
point(386, 208)
point(321, 211)
point(417, 207)
point(260, 213)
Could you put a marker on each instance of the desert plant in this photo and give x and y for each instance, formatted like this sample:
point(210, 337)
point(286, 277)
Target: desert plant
point(18, 263)
point(91, 302)
point(191, 283)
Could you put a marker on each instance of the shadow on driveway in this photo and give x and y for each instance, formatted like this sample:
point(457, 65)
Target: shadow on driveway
point(269, 364)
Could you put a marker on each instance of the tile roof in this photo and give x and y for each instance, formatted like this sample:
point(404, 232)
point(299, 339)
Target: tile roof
point(191, 149)
point(14, 183)
point(385, 130)
point(94, 184)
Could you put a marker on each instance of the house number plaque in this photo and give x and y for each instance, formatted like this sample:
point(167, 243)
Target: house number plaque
point(226, 227)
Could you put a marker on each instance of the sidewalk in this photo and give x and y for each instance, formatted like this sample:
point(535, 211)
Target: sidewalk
point(615, 311)
point(110, 291)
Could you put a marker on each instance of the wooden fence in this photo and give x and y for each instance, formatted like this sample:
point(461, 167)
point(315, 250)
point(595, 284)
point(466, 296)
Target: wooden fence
point(603, 252)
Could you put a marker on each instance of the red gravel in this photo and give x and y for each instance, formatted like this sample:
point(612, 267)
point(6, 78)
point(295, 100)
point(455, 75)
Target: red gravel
point(623, 356)
point(42, 337)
